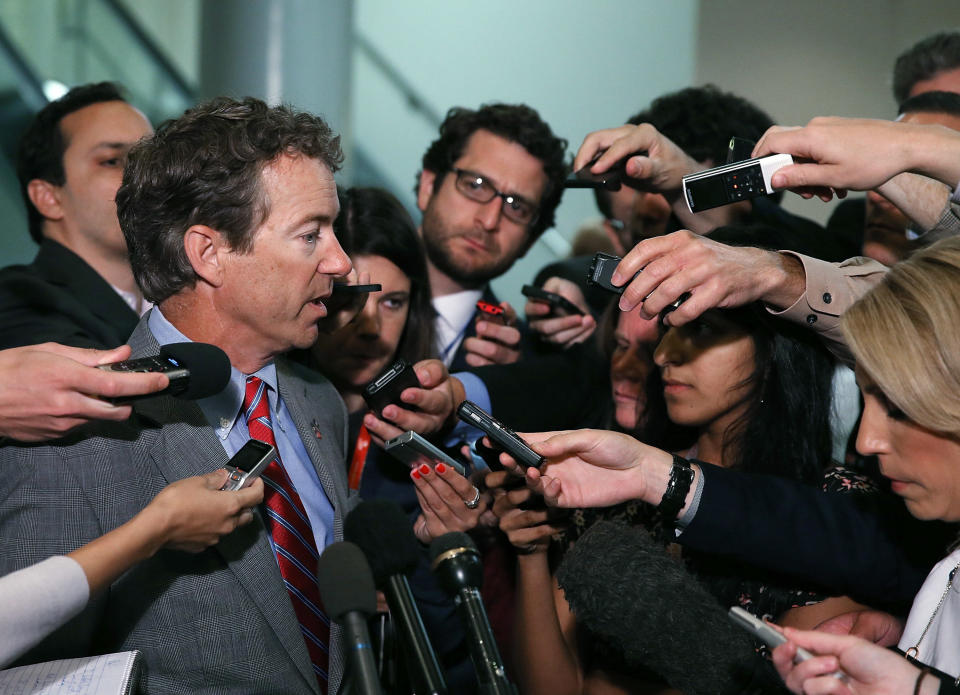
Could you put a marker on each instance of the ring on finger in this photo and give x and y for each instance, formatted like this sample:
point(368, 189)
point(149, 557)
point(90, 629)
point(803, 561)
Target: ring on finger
point(475, 502)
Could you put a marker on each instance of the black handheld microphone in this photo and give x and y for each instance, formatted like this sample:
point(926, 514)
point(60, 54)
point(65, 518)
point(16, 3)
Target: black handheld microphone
point(626, 591)
point(383, 532)
point(195, 370)
point(456, 562)
point(346, 586)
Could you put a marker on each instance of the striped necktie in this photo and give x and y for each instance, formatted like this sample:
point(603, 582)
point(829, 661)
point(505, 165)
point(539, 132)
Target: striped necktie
point(293, 541)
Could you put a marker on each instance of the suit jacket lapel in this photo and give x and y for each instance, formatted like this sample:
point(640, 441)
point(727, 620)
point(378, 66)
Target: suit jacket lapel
point(189, 447)
point(60, 266)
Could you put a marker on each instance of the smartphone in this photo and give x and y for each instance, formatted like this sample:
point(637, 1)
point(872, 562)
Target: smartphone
point(342, 288)
point(502, 437)
point(490, 312)
point(248, 463)
point(414, 450)
point(559, 305)
point(388, 386)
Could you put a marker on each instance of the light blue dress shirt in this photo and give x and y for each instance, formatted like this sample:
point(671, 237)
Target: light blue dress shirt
point(222, 412)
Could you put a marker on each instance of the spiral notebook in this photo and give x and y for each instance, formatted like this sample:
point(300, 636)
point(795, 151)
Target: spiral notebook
point(107, 674)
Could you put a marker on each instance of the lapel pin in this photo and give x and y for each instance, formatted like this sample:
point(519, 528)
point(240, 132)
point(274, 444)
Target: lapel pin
point(316, 429)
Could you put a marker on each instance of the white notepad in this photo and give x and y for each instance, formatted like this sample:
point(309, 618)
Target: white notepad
point(108, 674)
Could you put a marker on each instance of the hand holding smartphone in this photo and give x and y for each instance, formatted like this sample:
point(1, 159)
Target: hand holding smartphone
point(559, 305)
point(248, 463)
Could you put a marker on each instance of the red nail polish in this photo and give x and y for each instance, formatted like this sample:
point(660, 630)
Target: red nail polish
point(415, 474)
point(425, 469)
point(441, 468)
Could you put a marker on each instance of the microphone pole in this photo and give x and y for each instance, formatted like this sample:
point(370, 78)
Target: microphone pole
point(456, 562)
point(383, 533)
point(346, 586)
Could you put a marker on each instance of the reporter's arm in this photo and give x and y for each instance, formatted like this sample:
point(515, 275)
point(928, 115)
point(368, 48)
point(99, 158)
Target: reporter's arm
point(544, 628)
point(190, 514)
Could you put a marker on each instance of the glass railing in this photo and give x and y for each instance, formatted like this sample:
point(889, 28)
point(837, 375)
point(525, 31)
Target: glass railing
point(68, 42)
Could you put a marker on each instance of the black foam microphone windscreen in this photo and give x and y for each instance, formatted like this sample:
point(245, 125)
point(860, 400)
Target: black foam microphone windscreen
point(208, 365)
point(385, 535)
point(345, 581)
point(626, 590)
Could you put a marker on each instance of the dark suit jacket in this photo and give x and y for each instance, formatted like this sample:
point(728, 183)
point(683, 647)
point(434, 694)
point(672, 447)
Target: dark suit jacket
point(868, 547)
point(60, 298)
point(216, 622)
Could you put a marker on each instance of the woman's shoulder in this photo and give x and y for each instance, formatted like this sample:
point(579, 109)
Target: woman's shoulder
point(850, 479)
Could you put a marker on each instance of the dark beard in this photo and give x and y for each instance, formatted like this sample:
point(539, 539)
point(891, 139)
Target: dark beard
point(441, 258)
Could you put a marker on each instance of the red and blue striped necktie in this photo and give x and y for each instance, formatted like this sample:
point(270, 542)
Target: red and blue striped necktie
point(293, 540)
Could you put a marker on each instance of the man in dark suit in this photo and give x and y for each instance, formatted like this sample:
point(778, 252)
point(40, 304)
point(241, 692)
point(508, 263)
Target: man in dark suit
point(228, 215)
point(79, 290)
point(488, 189)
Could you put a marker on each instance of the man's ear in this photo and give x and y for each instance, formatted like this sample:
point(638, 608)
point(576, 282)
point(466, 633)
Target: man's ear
point(205, 248)
point(425, 188)
point(45, 198)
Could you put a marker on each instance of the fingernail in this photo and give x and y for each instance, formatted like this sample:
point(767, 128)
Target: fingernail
point(778, 180)
point(415, 475)
point(615, 278)
point(424, 469)
point(441, 468)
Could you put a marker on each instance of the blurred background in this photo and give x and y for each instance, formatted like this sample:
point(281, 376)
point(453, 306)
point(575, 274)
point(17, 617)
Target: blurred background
point(383, 72)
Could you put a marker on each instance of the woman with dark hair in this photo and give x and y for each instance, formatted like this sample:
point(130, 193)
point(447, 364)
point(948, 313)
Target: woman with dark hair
point(741, 389)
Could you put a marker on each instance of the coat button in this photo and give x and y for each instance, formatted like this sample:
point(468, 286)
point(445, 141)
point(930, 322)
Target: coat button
point(827, 298)
point(811, 319)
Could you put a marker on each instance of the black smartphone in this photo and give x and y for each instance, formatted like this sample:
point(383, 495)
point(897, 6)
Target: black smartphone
point(388, 386)
point(504, 438)
point(342, 288)
point(559, 305)
point(248, 463)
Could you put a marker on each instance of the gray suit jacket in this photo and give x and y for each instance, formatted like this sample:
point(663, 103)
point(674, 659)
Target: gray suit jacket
point(216, 622)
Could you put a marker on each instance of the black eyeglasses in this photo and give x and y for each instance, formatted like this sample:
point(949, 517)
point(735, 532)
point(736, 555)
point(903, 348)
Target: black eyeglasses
point(475, 187)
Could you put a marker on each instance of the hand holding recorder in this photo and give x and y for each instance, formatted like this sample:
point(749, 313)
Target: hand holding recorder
point(650, 160)
point(426, 409)
point(47, 390)
point(867, 668)
point(497, 340)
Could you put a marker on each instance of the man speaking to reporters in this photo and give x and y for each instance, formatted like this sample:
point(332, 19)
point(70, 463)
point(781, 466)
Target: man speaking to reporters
point(227, 213)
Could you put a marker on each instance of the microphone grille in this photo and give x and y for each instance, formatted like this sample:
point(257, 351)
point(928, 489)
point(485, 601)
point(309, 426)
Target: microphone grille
point(385, 535)
point(345, 581)
point(209, 368)
point(450, 541)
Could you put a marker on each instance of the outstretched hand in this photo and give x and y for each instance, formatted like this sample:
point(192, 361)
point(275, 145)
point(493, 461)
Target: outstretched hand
point(47, 390)
point(869, 669)
point(595, 468)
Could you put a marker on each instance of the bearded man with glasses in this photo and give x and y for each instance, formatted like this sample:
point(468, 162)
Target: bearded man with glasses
point(488, 189)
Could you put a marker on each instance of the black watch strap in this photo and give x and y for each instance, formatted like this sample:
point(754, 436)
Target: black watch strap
point(681, 476)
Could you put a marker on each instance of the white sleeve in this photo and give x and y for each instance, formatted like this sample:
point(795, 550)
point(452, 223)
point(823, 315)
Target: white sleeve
point(37, 600)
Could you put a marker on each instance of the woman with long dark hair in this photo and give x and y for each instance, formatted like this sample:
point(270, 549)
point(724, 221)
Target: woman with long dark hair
point(741, 389)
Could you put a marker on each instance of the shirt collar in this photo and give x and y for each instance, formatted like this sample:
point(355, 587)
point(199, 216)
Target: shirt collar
point(222, 409)
point(458, 308)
